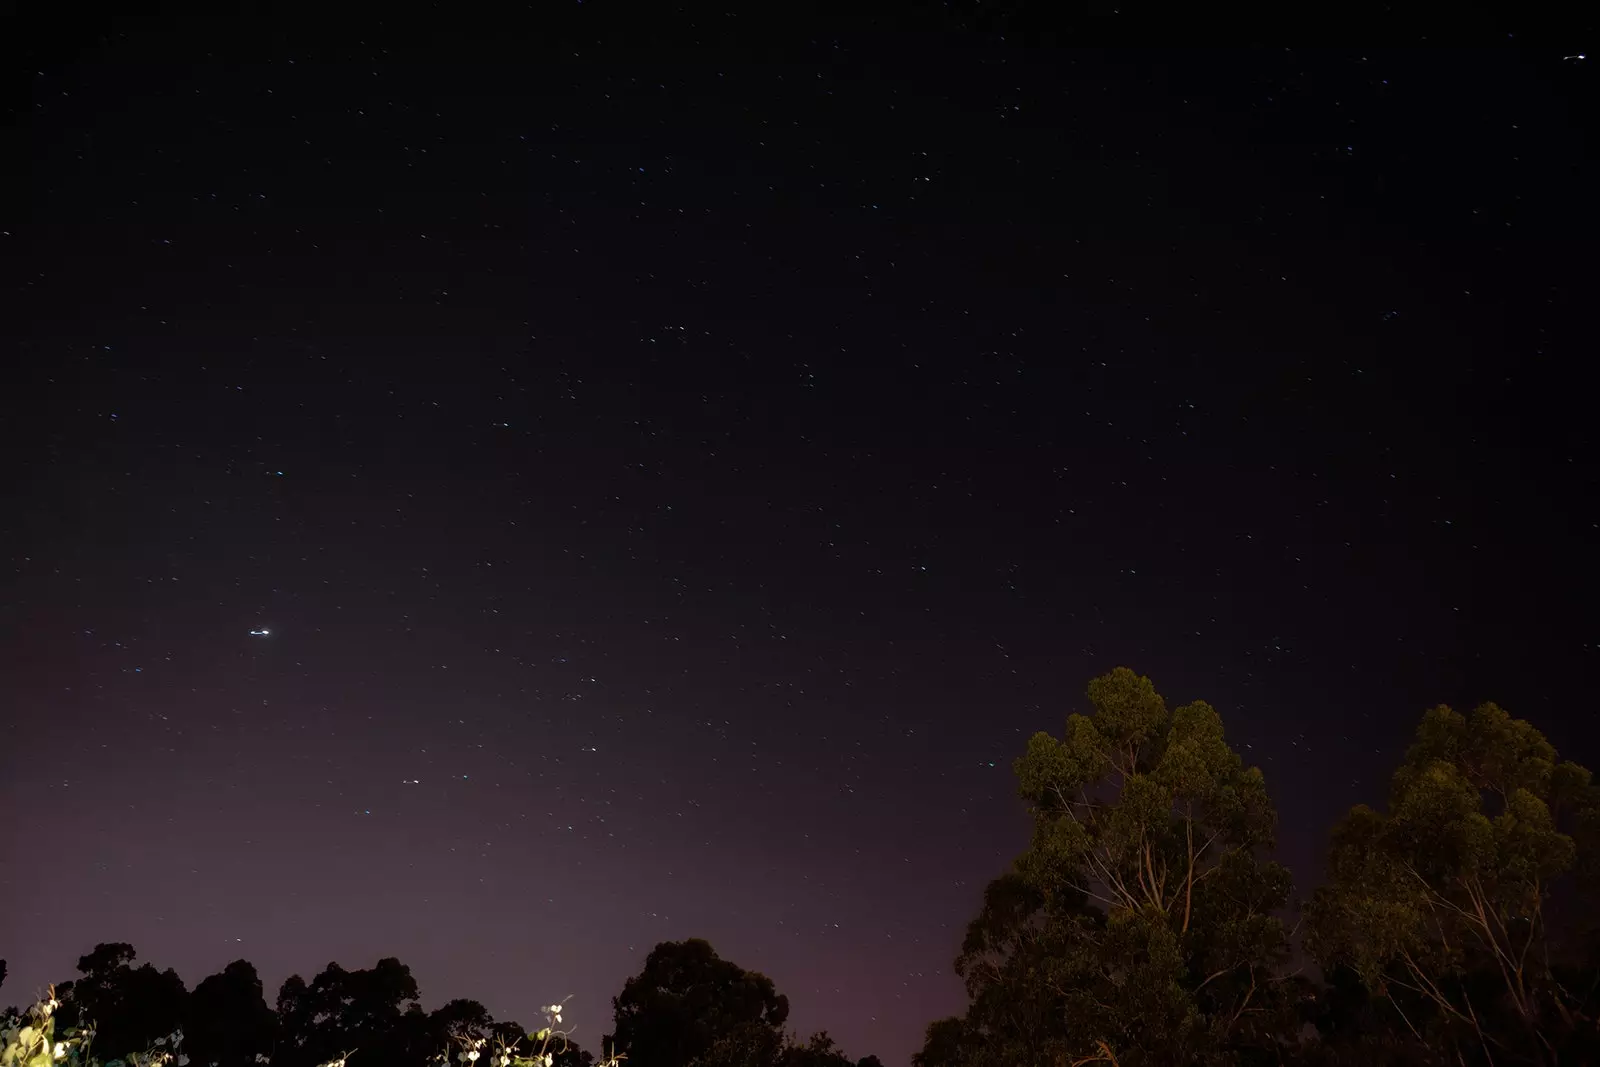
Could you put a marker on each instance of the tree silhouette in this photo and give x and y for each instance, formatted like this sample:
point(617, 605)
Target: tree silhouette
point(341, 1010)
point(376, 1013)
point(753, 1044)
point(691, 1008)
point(448, 1024)
point(821, 1051)
point(228, 1022)
point(130, 1006)
point(949, 1043)
point(1138, 927)
point(685, 999)
point(462, 1017)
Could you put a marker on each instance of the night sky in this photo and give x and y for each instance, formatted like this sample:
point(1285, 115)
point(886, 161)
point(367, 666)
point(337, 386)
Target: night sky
point(674, 467)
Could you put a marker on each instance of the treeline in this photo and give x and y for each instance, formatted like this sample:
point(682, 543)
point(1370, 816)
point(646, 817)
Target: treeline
point(687, 1006)
point(1145, 925)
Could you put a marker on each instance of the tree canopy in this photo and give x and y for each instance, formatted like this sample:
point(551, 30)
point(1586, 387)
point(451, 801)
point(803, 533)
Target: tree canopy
point(1442, 904)
point(130, 1006)
point(228, 1021)
point(1138, 927)
point(689, 1007)
point(685, 999)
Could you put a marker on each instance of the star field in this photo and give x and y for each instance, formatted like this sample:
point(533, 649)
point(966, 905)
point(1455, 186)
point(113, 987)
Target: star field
point(503, 503)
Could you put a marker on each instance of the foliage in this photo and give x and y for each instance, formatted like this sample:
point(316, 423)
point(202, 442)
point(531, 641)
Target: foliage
point(549, 1047)
point(949, 1043)
point(41, 1038)
point(820, 1050)
point(228, 1022)
point(1138, 927)
point(689, 1007)
point(1441, 905)
point(131, 1007)
point(343, 1009)
point(687, 998)
point(31, 1039)
point(749, 1045)
point(759, 1045)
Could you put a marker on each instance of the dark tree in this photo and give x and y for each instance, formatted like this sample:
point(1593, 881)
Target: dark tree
point(295, 1022)
point(449, 1029)
point(445, 1029)
point(415, 1040)
point(1138, 928)
point(343, 1010)
point(819, 1051)
point(1352, 1029)
point(685, 999)
point(948, 1043)
point(228, 1022)
point(130, 1007)
point(750, 1045)
point(759, 1045)
point(461, 1018)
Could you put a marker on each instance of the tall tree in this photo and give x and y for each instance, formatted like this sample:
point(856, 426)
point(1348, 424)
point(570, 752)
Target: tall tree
point(228, 1022)
point(1138, 927)
point(342, 1010)
point(448, 1026)
point(130, 1007)
point(684, 1000)
point(1442, 904)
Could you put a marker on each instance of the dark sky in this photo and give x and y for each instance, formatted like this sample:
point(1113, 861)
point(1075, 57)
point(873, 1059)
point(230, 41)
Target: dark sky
point(678, 466)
